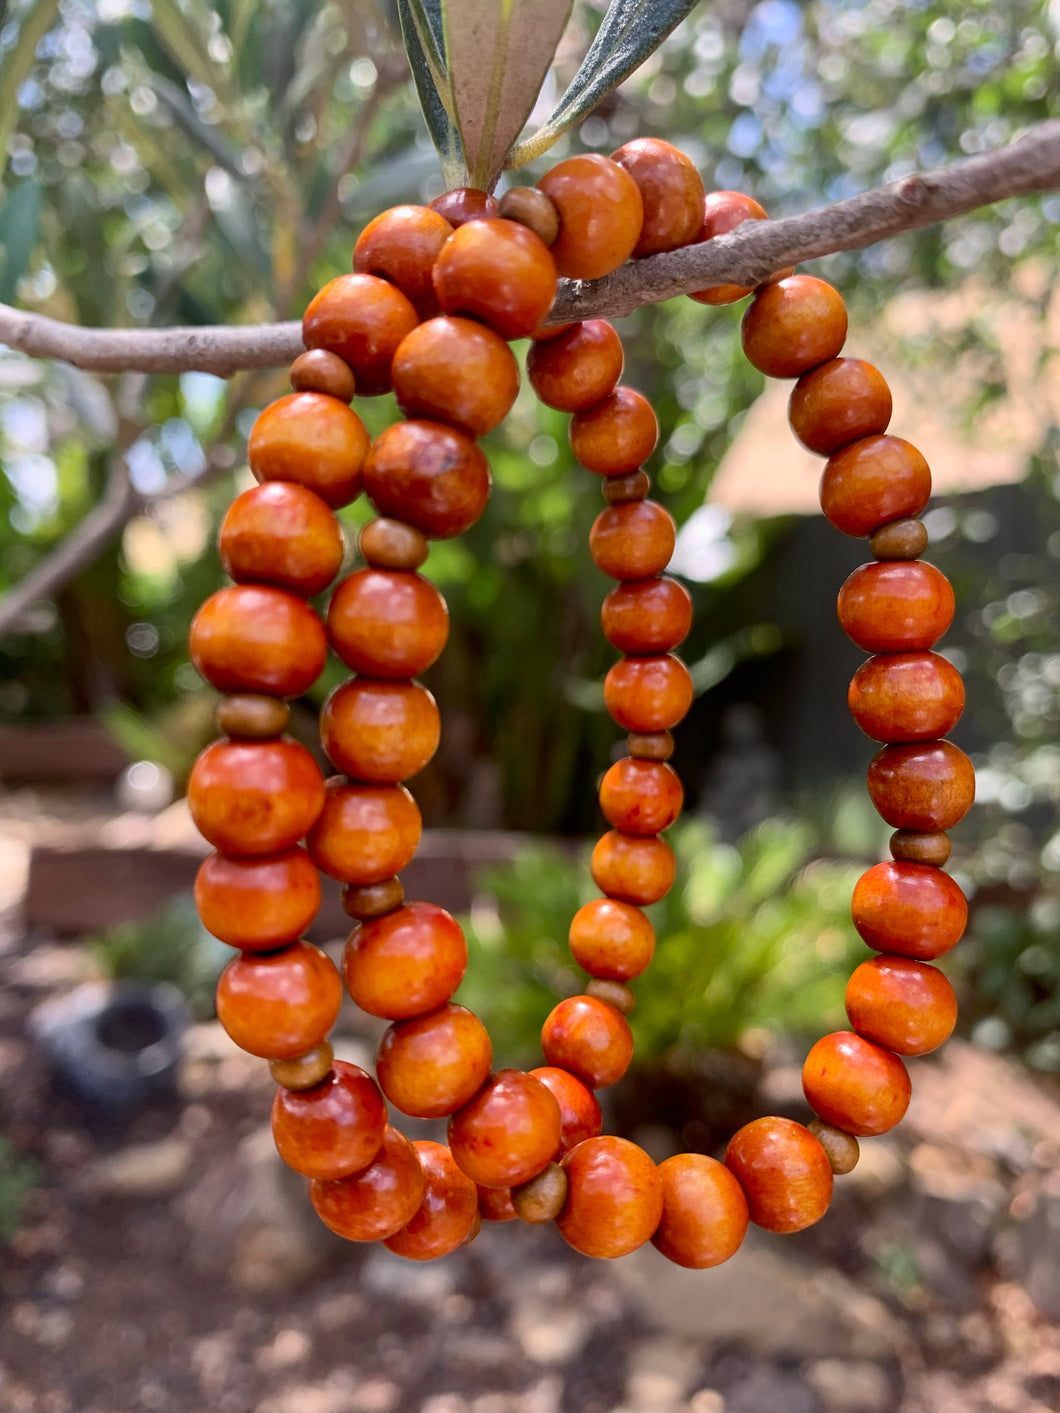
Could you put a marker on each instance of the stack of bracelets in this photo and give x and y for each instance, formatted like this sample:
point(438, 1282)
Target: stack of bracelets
point(436, 295)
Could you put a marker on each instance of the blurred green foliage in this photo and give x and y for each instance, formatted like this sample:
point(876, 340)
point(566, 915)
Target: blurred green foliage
point(18, 1178)
point(172, 945)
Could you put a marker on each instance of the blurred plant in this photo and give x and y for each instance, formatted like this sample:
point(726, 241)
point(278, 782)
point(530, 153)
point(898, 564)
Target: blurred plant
point(18, 1178)
point(172, 945)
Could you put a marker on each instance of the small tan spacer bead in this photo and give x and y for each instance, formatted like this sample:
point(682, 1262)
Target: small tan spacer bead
point(615, 993)
point(322, 372)
point(650, 745)
point(373, 899)
point(541, 1199)
point(305, 1072)
point(532, 208)
point(391, 544)
point(841, 1149)
point(618, 490)
point(908, 846)
point(901, 539)
point(252, 717)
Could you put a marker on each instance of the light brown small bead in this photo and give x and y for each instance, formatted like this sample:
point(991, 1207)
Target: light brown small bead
point(305, 1072)
point(901, 539)
point(532, 208)
point(391, 544)
point(908, 846)
point(615, 993)
point(373, 899)
point(841, 1149)
point(476, 1227)
point(319, 371)
point(619, 490)
point(248, 716)
point(650, 745)
point(541, 1199)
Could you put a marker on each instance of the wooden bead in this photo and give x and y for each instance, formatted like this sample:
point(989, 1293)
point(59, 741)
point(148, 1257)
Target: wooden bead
point(617, 435)
point(579, 1109)
point(532, 208)
point(901, 539)
point(431, 1066)
point(648, 694)
point(650, 745)
point(318, 371)
point(632, 540)
point(579, 368)
point(621, 490)
point(333, 1129)
point(305, 1071)
point(589, 1038)
point(928, 786)
point(401, 245)
point(495, 1204)
point(406, 963)
point(911, 847)
point(600, 215)
point(837, 403)
point(362, 319)
point(645, 616)
point(897, 607)
point(447, 1214)
point(855, 1085)
point(784, 1173)
point(632, 868)
point(541, 1199)
point(373, 899)
point(248, 716)
point(365, 833)
point(432, 476)
point(614, 993)
point(873, 481)
point(456, 371)
point(381, 732)
point(722, 212)
point(671, 191)
point(378, 1201)
point(841, 1149)
point(254, 638)
point(614, 1199)
point(909, 909)
point(793, 325)
point(283, 534)
point(906, 697)
point(508, 1132)
point(903, 1005)
point(312, 440)
point(391, 544)
point(466, 203)
point(388, 624)
point(258, 904)
point(705, 1217)
point(255, 797)
point(611, 939)
point(280, 1004)
point(499, 272)
point(641, 796)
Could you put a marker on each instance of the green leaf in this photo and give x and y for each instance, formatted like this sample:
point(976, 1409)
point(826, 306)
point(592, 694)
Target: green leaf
point(422, 28)
point(19, 224)
point(18, 63)
point(631, 31)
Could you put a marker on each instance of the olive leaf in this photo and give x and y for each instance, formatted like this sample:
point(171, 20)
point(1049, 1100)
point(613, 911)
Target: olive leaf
point(423, 31)
point(631, 31)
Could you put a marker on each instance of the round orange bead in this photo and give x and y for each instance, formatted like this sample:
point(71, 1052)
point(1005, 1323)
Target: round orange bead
point(362, 319)
point(910, 909)
point(495, 1204)
point(431, 1066)
point(387, 623)
point(456, 371)
point(633, 868)
point(255, 797)
point(333, 1129)
point(648, 694)
point(380, 732)
point(633, 541)
point(258, 904)
point(405, 964)
point(280, 533)
point(895, 607)
point(617, 435)
point(499, 272)
point(611, 939)
point(314, 441)
point(508, 1132)
point(872, 482)
point(705, 1215)
point(722, 212)
point(378, 1201)
point(600, 215)
point(671, 191)
point(784, 1172)
point(929, 786)
point(906, 697)
point(838, 403)
point(431, 476)
point(254, 638)
point(614, 1198)
point(577, 369)
point(793, 325)
point(449, 1210)
point(365, 833)
point(905, 1006)
point(401, 245)
point(641, 796)
point(644, 616)
point(281, 1004)
point(589, 1038)
point(465, 203)
point(579, 1109)
point(855, 1085)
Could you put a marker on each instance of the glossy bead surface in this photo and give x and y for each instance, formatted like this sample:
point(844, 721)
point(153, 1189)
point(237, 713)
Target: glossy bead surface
point(280, 533)
point(600, 215)
point(386, 623)
point(793, 325)
point(841, 1149)
point(929, 786)
point(613, 993)
point(620, 490)
point(650, 745)
point(332, 1130)
point(855, 1085)
point(254, 638)
point(318, 371)
point(632, 868)
point(641, 796)
point(671, 192)
point(250, 717)
point(784, 1173)
point(541, 1199)
point(365, 833)
point(873, 481)
point(579, 1108)
point(495, 1204)
point(837, 403)
point(578, 369)
point(378, 1201)
point(704, 1218)
point(644, 616)
point(896, 607)
point(312, 440)
point(909, 909)
point(589, 1038)
point(900, 539)
point(373, 899)
point(280, 1004)
point(648, 694)
point(634, 540)
point(431, 1066)
point(508, 1132)
point(391, 544)
point(903, 1005)
point(499, 272)
point(906, 697)
point(405, 964)
point(617, 435)
point(258, 904)
point(465, 203)
point(614, 1198)
point(401, 245)
point(611, 939)
point(722, 212)
point(306, 1071)
point(381, 732)
point(446, 1215)
point(432, 476)
point(456, 371)
point(362, 319)
point(255, 797)
point(909, 846)
point(532, 208)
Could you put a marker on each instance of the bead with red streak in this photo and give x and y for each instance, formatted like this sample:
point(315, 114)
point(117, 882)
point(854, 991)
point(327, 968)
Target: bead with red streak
point(911, 909)
point(576, 370)
point(903, 1005)
point(283, 534)
point(446, 1215)
point(579, 1108)
point(401, 245)
point(648, 694)
point(333, 1129)
point(279, 1005)
point(255, 797)
point(633, 868)
point(378, 1201)
point(641, 796)
point(406, 963)
point(508, 1132)
point(365, 833)
point(705, 1215)
point(647, 616)
point(855, 1085)
point(589, 1038)
point(928, 785)
point(614, 1198)
point(611, 939)
point(784, 1172)
point(256, 638)
point(258, 904)
point(915, 696)
point(432, 1065)
point(362, 319)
